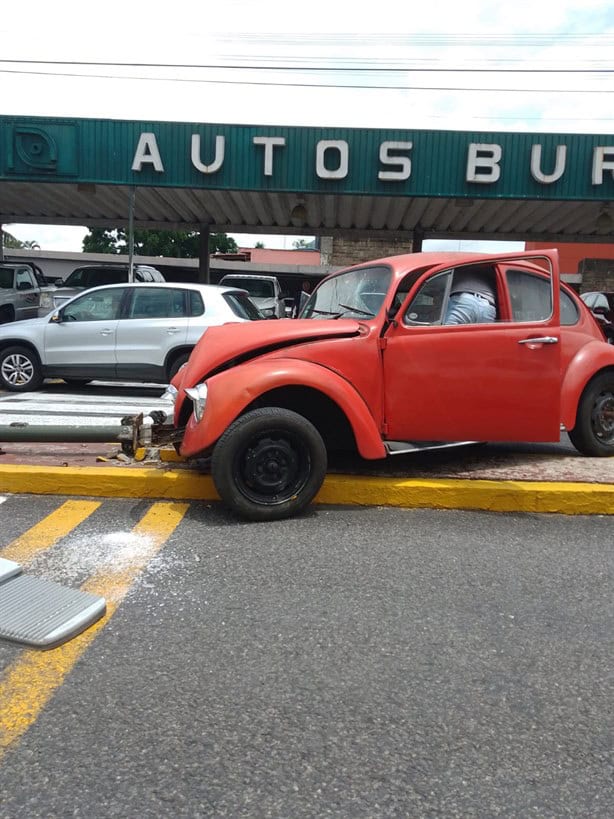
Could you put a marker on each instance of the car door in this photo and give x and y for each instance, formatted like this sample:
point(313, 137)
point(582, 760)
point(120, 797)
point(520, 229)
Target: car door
point(81, 343)
point(485, 382)
point(155, 323)
point(27, 294)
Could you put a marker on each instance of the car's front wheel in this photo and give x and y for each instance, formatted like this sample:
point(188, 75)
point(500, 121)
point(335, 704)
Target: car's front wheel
point(269, 464)
point(593, 433)
point(20, 369)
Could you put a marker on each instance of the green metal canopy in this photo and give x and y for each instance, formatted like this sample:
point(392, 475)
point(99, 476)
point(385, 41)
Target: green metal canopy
point(324, 181)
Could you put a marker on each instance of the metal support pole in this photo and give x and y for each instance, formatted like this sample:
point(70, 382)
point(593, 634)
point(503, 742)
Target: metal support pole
point(204, 272)
point(131, 234)
point(1, 243)
point(418, 238)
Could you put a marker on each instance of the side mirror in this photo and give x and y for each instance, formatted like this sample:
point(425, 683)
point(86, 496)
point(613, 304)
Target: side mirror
point(600, 311)
point(59, 282)
point(57, 317)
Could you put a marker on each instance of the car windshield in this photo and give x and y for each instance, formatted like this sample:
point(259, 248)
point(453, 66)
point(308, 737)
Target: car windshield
point(358, 293)
point(241, 306)
point(255, 287)
point(95, 277)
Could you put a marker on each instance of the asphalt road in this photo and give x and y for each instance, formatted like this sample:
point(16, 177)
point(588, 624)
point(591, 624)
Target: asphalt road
point(348, 663)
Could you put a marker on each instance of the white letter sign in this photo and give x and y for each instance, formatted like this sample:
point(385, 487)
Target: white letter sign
point(147, 153)
point(269, 143)
point(402, 163)
point(220, 145)
point(600, 164)
point(339, 145)
point(559, 164)
point(487, 157)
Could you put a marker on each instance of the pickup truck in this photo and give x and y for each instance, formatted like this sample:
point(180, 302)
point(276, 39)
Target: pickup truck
point(21, 294)
point(264, 291)
point(372, 366)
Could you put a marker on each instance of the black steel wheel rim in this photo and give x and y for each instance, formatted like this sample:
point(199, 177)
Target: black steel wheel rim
point(602, 418)
point(273, 468)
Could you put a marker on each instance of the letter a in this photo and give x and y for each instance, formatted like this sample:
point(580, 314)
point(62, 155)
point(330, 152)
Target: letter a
point(147, 153)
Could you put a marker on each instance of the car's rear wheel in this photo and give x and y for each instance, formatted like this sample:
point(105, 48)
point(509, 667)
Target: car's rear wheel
point(20, 369)
point(593, 433)
point(269, 464)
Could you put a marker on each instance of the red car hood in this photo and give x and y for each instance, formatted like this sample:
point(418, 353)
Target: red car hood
point(240, 342)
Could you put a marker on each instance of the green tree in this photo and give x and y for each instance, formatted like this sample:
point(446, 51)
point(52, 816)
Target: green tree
point(259, 245)
point(8, 240)
point(181, 244)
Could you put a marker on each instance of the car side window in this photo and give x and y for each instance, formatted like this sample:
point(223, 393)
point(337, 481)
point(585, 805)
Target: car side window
point(99, 305)
point(530, 296)
point(427, 305)
point(569, 310)
point(197, 306)
point(157, 302)
point(24, 280)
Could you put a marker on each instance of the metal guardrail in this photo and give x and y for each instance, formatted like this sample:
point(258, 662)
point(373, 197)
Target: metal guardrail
point(52, 417)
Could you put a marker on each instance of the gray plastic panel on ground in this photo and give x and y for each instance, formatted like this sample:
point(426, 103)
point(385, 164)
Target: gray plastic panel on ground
point(42, 613)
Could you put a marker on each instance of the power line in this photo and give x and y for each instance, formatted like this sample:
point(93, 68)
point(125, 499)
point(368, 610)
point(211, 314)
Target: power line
point(337, 86)
point(319, 68)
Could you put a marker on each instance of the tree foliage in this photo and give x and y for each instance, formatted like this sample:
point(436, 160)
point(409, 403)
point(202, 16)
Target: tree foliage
point(180, 244)
point(8, 240)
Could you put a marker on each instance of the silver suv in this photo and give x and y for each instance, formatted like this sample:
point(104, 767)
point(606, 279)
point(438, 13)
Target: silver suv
point(123, 332)
point(83, 278)
point(264, 291)
point(21, 296)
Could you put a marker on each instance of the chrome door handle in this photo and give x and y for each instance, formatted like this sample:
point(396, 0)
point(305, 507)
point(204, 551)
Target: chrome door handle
point(540, 340)
point(106, 332)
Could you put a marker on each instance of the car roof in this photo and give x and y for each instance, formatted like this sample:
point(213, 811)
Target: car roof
point(210, 288)
point(248, 276)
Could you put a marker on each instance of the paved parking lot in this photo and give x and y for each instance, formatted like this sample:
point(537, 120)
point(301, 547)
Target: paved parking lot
point(352, 662)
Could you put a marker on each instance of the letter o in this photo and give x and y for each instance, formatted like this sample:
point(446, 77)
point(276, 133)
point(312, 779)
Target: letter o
point(343, 151)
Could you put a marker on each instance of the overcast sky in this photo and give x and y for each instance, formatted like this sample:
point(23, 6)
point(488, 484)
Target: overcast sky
point(526, 66)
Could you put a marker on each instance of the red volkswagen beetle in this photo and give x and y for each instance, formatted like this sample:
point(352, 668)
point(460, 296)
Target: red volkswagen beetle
point(372, 365)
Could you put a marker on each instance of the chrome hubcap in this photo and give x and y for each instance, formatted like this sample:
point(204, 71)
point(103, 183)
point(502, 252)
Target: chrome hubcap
point(17, 370)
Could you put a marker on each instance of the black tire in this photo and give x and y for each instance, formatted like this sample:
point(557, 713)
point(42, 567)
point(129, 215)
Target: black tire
point(77, 382)
point(593, 433)
point(269, 464)
point(177, 365)
point(20, 369)
point(6, 315)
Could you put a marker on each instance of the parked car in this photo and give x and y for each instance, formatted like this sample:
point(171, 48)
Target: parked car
point(601, 305)
point(135, 332)
point(88, 276)
point(22, 296)
point(370, 366)
point(264, 291)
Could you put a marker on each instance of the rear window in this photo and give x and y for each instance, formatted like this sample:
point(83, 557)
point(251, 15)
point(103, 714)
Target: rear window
point(255, 287)
point(95, 277)
point(242, 307)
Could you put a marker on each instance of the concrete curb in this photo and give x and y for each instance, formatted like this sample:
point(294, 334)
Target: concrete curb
point(345, 490)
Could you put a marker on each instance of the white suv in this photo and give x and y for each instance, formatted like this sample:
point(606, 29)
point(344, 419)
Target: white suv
point(264, 291)
point(123, 332)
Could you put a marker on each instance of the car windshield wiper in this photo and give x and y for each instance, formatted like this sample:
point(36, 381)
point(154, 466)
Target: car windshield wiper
point(326, 313)
point(347, 308)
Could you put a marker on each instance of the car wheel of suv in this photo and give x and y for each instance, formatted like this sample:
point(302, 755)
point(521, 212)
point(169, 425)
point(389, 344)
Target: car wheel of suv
point(20, 369)
point(593, 433)
point(177, 365)
point(269, 464)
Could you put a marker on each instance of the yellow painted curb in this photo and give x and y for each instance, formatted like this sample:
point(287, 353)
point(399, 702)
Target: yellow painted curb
point(444, 493)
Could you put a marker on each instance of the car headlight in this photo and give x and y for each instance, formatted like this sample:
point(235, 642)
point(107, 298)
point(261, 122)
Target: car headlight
point(198, 396)
point(170, 394)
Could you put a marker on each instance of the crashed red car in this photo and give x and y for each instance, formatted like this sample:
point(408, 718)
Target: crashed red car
point(370, 366)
